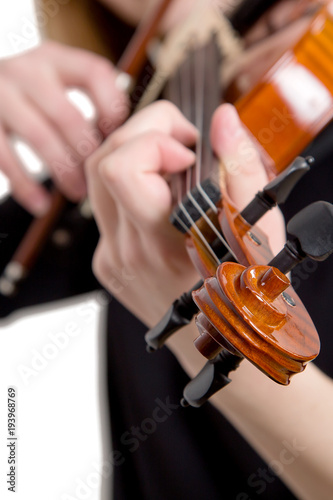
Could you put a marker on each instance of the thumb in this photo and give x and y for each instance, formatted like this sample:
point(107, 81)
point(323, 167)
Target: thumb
point(244, 172)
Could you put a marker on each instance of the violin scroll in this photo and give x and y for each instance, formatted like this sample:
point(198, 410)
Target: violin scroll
point(248, 308)
point(254, 313)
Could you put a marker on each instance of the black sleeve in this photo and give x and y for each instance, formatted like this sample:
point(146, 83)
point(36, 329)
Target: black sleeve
point(314, 281)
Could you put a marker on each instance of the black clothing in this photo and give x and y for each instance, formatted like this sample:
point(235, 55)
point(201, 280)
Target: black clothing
point(172, 453)
point(60, 271)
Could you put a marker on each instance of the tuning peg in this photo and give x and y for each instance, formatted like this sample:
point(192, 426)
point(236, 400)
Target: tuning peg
point(277, 191)
point(212, 378)
point(180, 314)
point(310, 235)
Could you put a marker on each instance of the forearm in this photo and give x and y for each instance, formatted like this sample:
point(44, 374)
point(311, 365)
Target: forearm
point(270, 416)
point(290, 427)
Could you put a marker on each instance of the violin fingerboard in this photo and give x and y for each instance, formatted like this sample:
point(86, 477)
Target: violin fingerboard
point(195, 89)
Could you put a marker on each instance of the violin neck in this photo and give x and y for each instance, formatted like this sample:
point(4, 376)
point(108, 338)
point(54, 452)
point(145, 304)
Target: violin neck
point(297, 92)
point(195, 89)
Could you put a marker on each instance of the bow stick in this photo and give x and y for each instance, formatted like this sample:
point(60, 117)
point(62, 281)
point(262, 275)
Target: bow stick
point(129, 65)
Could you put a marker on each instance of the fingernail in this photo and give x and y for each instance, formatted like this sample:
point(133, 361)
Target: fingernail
point(123, 82)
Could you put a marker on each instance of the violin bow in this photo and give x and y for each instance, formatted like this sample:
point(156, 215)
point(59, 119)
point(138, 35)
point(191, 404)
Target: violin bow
point(130, 65)
point(31, 245)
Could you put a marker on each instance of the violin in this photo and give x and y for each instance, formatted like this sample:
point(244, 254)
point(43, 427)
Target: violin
point(130, 65)
point(216, 232)
point(246, 307)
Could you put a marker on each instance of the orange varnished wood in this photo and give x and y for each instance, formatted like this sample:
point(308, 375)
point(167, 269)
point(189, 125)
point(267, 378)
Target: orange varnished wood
point(249, 244)
point(242, 308)
point(288, 107)
point(38, 233)
point(246, 310)
point(135, 55)
point(202, 259)
point(198, 251)
point(293, 101)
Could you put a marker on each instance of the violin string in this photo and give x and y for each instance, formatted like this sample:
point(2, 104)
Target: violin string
point(173, 93)
point(197, 230)
point(194, 70)
point(199, 80)
point(201, 71)
point(218, 233)
point(177, 95)
point(207, 199)
point(200, 61)
point(183, 99)
point(184, 76)
point(185, 91)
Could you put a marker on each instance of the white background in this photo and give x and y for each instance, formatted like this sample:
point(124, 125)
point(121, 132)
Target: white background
point(50, 355)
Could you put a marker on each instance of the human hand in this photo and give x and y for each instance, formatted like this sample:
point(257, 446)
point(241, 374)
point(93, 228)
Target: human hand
point(243, 169)
point(35, 108)
point(141, 258)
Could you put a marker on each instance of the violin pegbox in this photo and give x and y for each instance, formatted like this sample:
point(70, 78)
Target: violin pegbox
point(253, 312)
point(256, 312)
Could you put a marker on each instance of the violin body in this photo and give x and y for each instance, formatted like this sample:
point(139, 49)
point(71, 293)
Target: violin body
point(293, 101)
